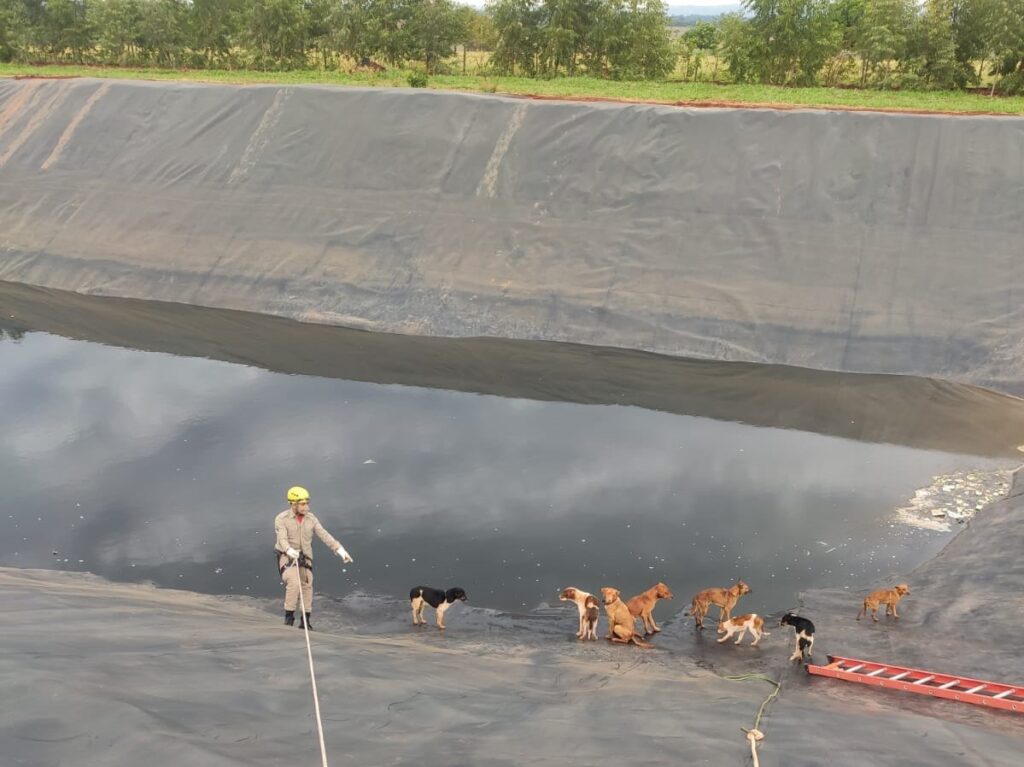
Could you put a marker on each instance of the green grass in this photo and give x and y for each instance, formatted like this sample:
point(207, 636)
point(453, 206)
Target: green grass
point(577, 87)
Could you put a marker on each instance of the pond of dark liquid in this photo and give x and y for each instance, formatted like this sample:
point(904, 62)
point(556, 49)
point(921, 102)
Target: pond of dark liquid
point(138, 465)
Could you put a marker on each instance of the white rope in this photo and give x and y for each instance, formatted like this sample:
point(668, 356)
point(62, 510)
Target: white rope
point(312, 675)
point(754, 736)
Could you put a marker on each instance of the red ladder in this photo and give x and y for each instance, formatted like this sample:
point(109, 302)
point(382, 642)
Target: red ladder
point(962, 688)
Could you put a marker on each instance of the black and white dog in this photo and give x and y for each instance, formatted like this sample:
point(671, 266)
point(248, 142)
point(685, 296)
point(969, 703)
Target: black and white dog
point(439, 600)
point(804, 635)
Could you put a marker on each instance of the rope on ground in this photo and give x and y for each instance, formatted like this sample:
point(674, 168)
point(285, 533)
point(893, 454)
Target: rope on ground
point(754, 735)
point(312, 675)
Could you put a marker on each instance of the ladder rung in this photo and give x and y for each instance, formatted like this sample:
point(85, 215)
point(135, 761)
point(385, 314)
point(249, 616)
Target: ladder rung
point(1005, 694)
point(979, 688)
point(877, 671)
point(947, 685)
point(928, 678)
point(852, 669)
point(900, 676)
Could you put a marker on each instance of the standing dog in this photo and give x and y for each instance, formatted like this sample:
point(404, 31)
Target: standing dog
point(642, 606)
point(439, 600)
point(579, 596)
point(753, 623)
point(804, 635)
point(888, 597)
point(621, 626)
point(725, 599)
point(590, 618)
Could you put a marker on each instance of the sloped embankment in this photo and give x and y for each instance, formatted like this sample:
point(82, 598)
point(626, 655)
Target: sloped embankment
point(844, 241)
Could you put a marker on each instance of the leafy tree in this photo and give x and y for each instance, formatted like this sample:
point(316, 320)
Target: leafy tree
point(12, 19)
point(480, 34)
point(436, 28)
point(936, 48)
point(886, 32)
point(386, 28)
point(321, 22)
point(274, 31)
point(214, 26)
point(63, 29)
point(645, 50)
point(117, 25)
point(790, 40)
point(519, 37)
point(565, 27)
point(1005, 42)
point(694, 44)
point(737, 48)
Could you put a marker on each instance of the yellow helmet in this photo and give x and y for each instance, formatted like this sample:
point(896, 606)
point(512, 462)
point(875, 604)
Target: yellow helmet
point(297, 494)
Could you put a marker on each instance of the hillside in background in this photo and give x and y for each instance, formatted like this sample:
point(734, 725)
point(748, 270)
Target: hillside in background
point(688, 15)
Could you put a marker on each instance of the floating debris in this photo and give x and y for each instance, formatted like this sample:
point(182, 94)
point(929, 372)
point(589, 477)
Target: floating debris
point(958, 497)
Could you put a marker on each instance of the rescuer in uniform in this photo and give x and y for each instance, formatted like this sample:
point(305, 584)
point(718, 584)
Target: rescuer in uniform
point(294, 528)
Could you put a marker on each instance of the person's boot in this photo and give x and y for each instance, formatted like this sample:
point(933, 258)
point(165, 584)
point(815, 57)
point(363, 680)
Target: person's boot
point(306, 623)
point(289, 617)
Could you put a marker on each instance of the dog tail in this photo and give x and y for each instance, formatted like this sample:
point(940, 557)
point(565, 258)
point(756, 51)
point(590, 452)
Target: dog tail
point(863, 609)
point(635, 639)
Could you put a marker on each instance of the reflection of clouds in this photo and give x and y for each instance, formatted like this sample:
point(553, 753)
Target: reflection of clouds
point(101, 400)
point(187, 460)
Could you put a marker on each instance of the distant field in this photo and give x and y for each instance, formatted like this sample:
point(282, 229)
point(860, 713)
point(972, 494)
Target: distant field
point(681, 93)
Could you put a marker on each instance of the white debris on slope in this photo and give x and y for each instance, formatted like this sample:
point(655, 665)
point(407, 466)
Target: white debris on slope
point(958, 497)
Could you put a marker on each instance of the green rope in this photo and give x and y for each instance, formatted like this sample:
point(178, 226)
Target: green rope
point(774, 693)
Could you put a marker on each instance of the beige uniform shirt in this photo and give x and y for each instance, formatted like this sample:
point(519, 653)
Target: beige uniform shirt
point(291, 535)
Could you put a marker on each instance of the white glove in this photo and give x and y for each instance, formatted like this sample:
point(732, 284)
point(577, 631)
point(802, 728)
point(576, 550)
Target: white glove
point(345, 556)
point(293, 553)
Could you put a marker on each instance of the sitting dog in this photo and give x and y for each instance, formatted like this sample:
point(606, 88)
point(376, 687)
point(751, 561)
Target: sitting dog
point(642, 606)
point(439, 600)
point(590, 618)
point(725, 599)
point(889, 597)
point(804, 635)
point(753, 623)
point(621, 625)
point(579, 596)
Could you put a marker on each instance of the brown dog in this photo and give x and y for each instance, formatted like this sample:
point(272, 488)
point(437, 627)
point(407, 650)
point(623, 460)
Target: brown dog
point(642, 606)
point(888, 597)
point(725, 599)
point(579, 596)
point(621, 626)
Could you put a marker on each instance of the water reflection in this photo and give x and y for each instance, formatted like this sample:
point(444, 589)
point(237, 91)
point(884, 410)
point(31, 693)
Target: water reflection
point(139, 465)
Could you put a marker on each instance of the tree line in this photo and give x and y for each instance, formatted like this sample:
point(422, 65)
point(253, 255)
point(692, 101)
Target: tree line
point(934, 44)
point(907, 44)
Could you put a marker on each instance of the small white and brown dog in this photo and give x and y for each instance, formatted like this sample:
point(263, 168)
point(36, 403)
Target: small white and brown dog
point(590, 618)
point(579, 596)
point(753, 623)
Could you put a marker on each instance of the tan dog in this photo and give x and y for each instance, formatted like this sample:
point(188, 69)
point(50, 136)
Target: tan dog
point(753, 623)
point(579, 596)
point(888, 597)
point(725, 599)
point(642, 606)
point(621, 626)
point(590, 618)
